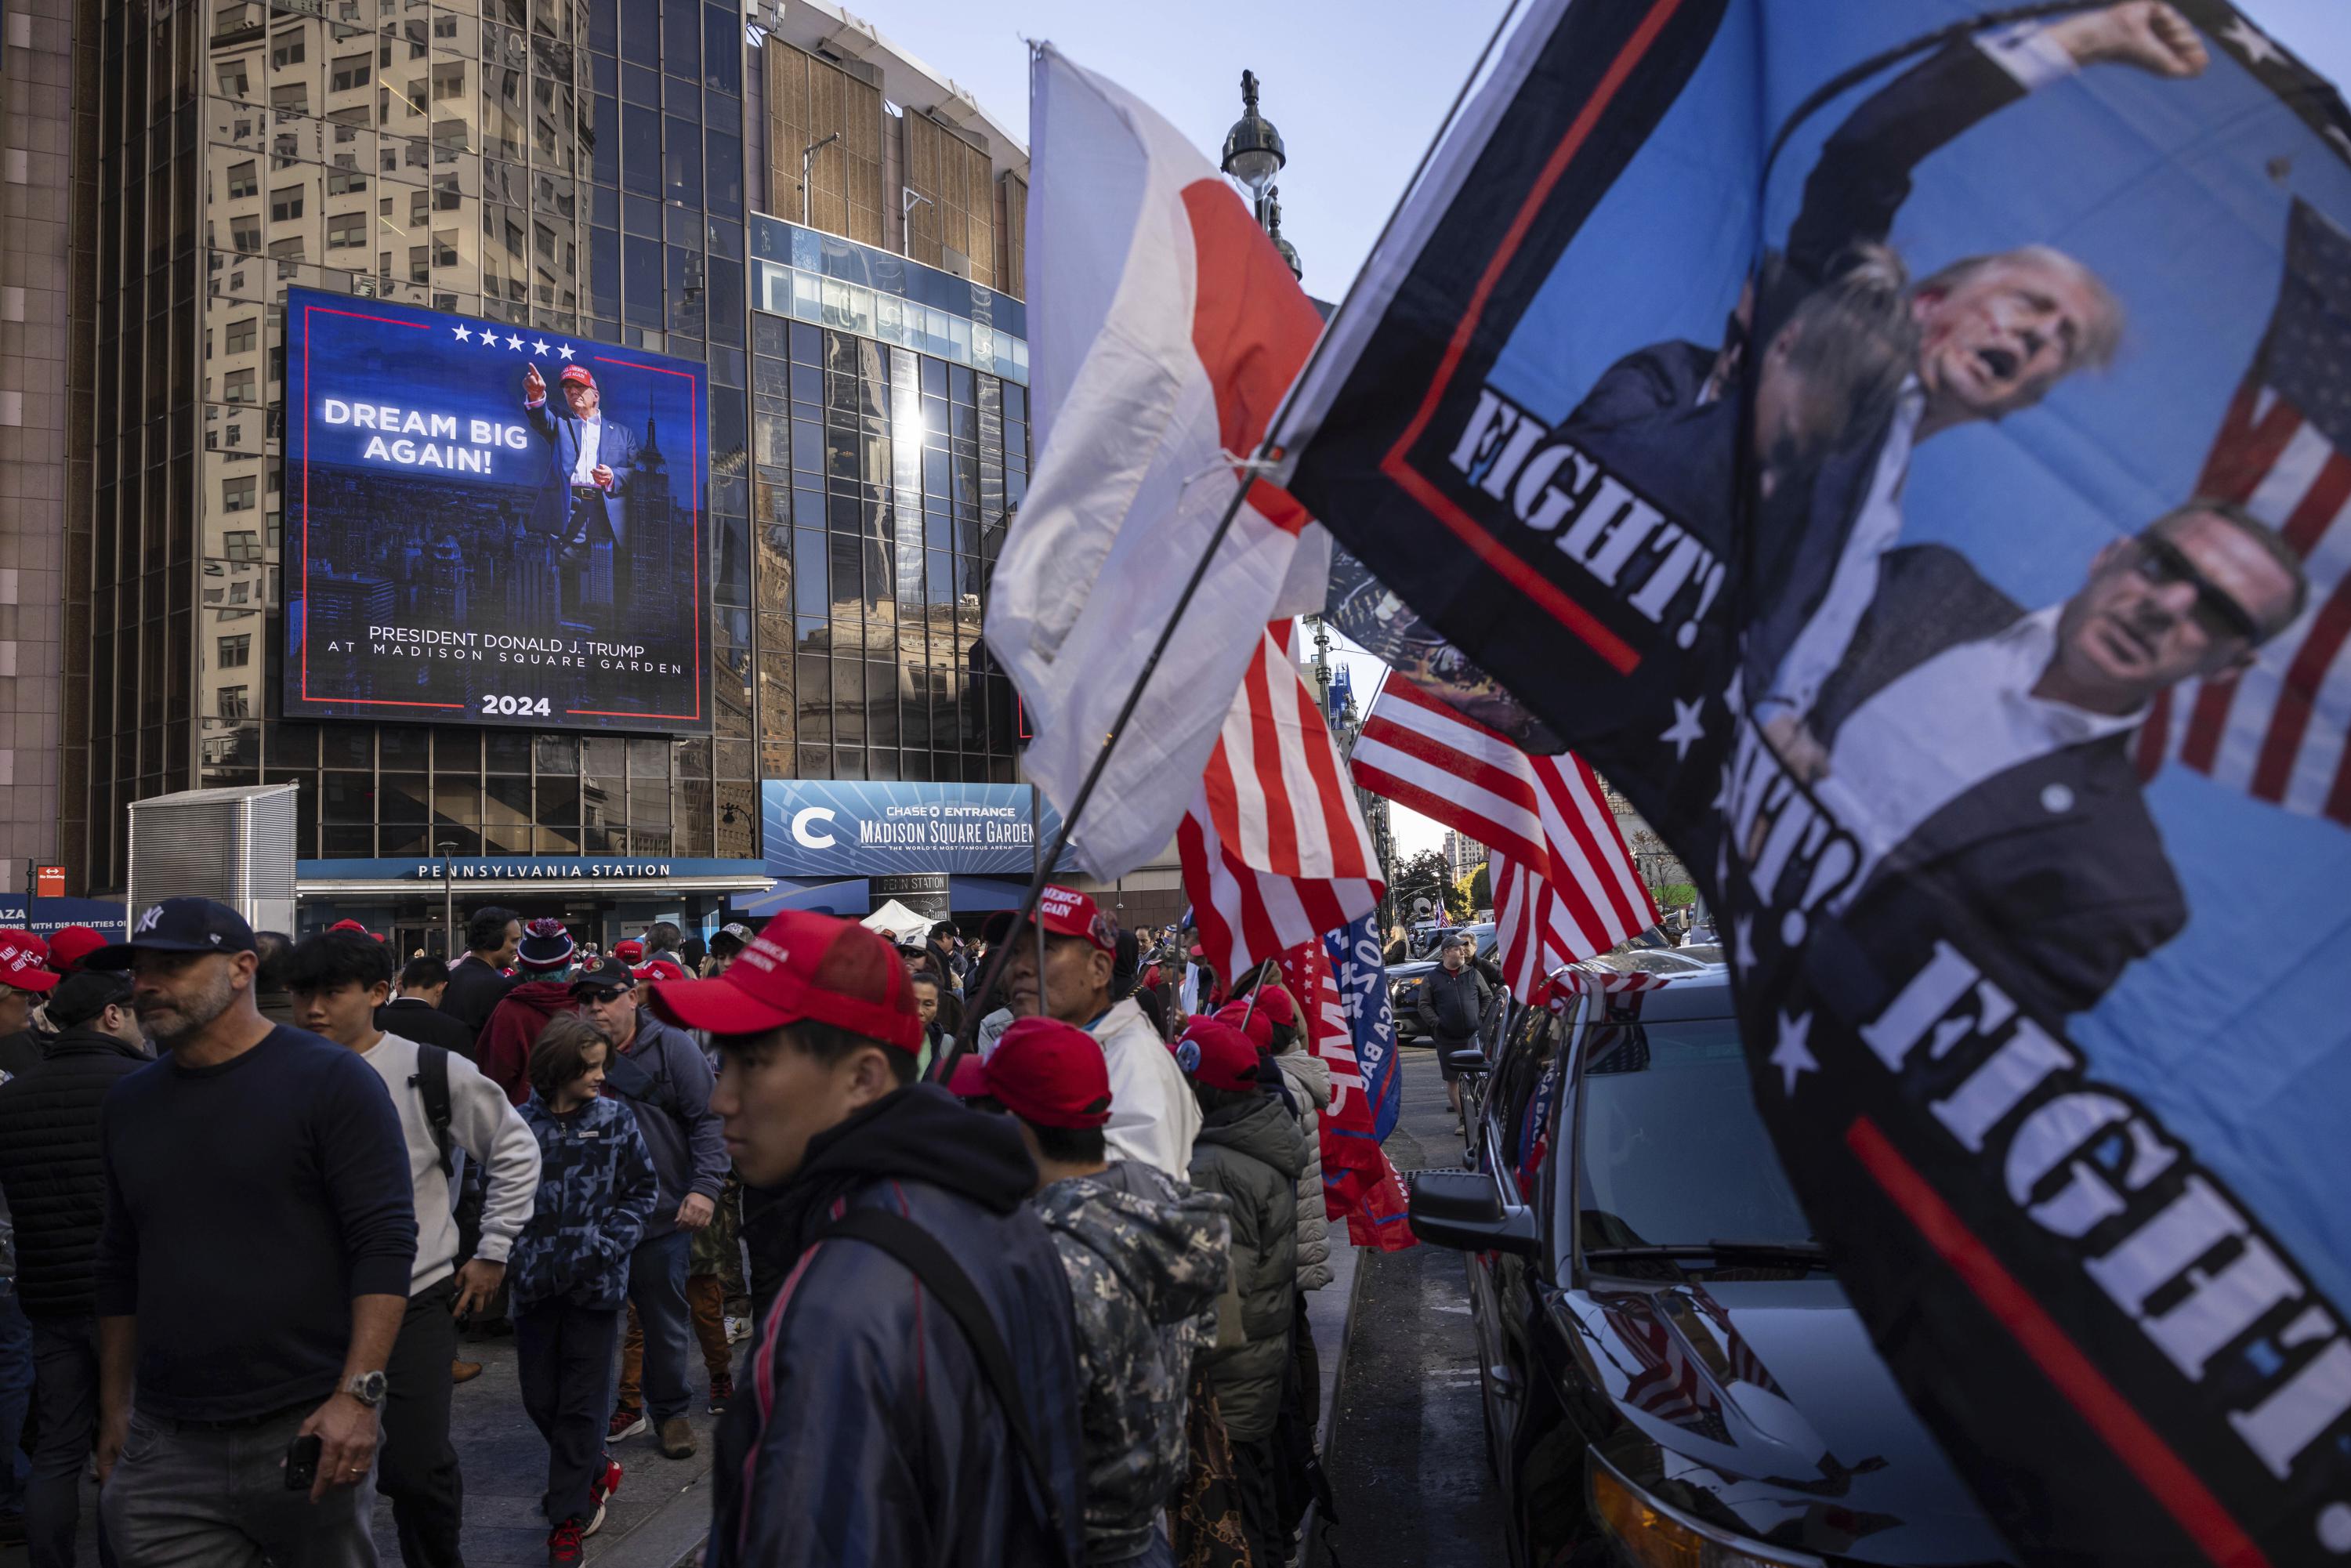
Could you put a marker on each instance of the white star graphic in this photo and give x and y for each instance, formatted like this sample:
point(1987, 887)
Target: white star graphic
point(540, 347)
point(1791, 1055)
point(464, 334)
point(489, 339)
point(513, 342)
point(565, 351)
point(1742, 944)
point(2251, 44)
point(1687, 727)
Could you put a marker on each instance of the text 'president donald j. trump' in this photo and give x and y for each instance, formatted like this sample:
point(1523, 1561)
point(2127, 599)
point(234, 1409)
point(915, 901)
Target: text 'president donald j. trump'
point(589, 461)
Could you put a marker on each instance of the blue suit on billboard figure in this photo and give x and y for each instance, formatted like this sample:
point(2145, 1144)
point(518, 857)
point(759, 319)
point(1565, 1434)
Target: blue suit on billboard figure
point(590, 459)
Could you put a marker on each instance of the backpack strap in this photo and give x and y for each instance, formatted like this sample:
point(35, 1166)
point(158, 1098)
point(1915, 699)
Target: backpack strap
point(936, 1269)
point(432, 1086)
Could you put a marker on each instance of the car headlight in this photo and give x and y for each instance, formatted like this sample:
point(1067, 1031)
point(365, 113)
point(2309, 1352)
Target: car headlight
point(1652, 1535)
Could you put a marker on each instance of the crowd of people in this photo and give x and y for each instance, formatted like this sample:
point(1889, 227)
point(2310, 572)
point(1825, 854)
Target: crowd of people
point(1021, 1283)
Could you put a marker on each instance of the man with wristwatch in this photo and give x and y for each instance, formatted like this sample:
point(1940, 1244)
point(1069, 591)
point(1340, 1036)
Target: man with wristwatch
point(252, 1270)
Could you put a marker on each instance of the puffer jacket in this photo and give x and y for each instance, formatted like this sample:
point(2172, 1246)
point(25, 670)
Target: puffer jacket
point(1139, 1268)
point(502, 1052)
point(865, 1431)
point(53, 1171)
point(1309, 1078)
point(596, 1195)
point(1252, 1154)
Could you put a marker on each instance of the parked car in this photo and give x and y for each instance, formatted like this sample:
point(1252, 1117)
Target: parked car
point(1403, 980)
point(1670, 1371)
point(1670, 962)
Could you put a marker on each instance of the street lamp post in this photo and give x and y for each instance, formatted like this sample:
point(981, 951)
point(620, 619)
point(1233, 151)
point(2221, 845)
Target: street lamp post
point(1253, 151)
point(808, 157)
point(448, 902)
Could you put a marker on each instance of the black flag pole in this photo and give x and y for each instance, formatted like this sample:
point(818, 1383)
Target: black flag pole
point(1268, 449)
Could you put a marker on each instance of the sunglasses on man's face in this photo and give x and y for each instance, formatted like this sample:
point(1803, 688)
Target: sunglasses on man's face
point(2162, 563)
point(604, 995)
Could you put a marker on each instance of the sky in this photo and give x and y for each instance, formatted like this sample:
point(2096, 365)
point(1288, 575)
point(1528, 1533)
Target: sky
point(1356, 88)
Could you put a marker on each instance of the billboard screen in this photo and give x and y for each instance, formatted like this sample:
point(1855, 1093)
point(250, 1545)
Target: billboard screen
point(490, 524)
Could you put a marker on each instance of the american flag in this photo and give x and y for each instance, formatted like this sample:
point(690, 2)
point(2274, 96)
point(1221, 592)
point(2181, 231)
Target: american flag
point(1564, 886)
point(1274, 849)
point(2284, 454)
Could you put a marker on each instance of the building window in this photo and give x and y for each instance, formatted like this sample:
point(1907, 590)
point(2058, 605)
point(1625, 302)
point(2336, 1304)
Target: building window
point(244, 235)
point(242, 181)
point(285, 250)
point(286, 49)
point(237, 387)
point(346, 183)
point(233, 81)
point(352, 71)
point(237, 495)
point(236, 653)
point(346, 230)
point(294, 98)
point(233, 702)
point(241, 336)
point(285, 205)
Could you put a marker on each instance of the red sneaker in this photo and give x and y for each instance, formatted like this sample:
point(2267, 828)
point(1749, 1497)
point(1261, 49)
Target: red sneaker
point(606, 1483)
point(627, 1422)
point(563, 1543)
point(722, 1389)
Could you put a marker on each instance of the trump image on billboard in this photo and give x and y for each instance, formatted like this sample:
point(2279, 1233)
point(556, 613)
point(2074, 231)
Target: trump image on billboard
point(491, 524)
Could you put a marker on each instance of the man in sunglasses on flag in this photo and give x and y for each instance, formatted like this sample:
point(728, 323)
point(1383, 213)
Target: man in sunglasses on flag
point(1982, 755)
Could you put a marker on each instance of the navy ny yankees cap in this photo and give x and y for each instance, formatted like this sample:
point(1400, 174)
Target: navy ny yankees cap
point(178, 926)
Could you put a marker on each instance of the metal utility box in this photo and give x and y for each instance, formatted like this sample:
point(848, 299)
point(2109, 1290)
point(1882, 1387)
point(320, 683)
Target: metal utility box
point(235, 845)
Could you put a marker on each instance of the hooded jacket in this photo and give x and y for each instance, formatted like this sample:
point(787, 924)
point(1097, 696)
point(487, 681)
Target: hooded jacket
point(503, 1053)
point(1252, 1154)
point(1309, 1078)
point(596, 1195)
point(865, 1431)
point(1145, 1082)
point(671, 1091)
point(52, 1170)
point(1140, 1268)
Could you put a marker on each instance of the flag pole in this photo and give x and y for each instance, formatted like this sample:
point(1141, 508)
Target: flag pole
point(1266, 449)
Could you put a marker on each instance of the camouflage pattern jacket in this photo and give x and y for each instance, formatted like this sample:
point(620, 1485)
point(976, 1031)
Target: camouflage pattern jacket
point(1145, 1260)
point(596, 1195)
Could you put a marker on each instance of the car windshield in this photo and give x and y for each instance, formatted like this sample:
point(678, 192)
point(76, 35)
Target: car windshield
point(1652, 961)
point(1704, 952)
point(1672, 1150)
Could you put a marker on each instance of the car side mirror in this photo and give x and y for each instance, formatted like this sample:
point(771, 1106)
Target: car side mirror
point(1464, 1210)
point(1471, 1061)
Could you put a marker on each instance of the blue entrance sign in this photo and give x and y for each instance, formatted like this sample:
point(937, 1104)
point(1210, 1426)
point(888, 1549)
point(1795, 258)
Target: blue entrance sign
point(815, 827)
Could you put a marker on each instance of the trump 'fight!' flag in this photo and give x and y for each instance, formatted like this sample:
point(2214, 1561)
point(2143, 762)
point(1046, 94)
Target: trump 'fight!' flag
point(1174, 328)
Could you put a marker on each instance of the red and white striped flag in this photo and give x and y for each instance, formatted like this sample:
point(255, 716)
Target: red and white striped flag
point(1274, 849)
point(1564, 886)
point(2284, 452)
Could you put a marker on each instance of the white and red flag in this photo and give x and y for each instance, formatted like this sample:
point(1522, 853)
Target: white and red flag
point(1274, 848)
point(1564, 885)
point(1174, 331)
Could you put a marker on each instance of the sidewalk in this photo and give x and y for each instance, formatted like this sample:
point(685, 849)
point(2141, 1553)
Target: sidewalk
point(660, 1513)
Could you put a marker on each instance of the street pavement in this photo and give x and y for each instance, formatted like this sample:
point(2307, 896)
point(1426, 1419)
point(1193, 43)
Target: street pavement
point(1406, 1444)
point(660, 1513)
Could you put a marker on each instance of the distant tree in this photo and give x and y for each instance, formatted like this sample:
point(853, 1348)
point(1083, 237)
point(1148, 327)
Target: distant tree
point(1481, 887)
point(1674, 894)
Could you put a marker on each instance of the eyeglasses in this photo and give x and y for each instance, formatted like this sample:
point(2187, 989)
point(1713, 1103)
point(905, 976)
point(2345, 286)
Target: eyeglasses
point(602, 995)
point(2162, 562)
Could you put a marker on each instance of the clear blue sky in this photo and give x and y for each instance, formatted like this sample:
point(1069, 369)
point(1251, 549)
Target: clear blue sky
point(1356, 89)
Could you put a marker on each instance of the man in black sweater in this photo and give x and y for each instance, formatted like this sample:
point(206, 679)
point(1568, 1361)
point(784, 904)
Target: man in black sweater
point(478, 981)
point(54, 1184)
point(253, 1267)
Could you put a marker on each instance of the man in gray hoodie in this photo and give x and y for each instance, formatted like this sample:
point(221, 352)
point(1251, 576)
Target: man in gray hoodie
point(1145, 1258)
point(660, 1070)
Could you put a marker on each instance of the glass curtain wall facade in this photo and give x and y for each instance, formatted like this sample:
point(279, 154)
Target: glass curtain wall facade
point(575, 165)
point(885, 472)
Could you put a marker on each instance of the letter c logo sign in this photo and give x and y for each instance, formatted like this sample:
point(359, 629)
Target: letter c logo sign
point(807, 836)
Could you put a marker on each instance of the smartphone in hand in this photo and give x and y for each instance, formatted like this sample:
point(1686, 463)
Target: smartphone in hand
point(302, 1462)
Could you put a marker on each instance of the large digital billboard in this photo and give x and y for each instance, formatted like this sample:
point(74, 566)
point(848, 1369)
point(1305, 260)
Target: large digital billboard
point(489, 524)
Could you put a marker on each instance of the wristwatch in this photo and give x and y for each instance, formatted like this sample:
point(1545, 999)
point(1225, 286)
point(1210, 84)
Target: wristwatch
point(367, 1387)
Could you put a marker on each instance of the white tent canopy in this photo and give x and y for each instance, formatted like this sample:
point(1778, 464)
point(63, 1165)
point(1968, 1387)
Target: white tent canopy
point(898, 923)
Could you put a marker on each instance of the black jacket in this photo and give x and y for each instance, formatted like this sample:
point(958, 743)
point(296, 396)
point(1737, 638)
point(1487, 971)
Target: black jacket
point(1452, 1005)
point(865, 1433)
point(51, 1169)
point(412, 1017)
point(475, 991)
point(2054, 864)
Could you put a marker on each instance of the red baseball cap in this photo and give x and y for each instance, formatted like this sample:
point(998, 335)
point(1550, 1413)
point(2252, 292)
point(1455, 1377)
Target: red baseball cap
point(1217, 1054)
point(24, 962)
point(350, 926)
point(802, 966)
point(1256, 1023)
point(70, 945)
point(630, 951)
point(660, 969)
point(1063, 912)
point(577, 373)
point(1042, 1071)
